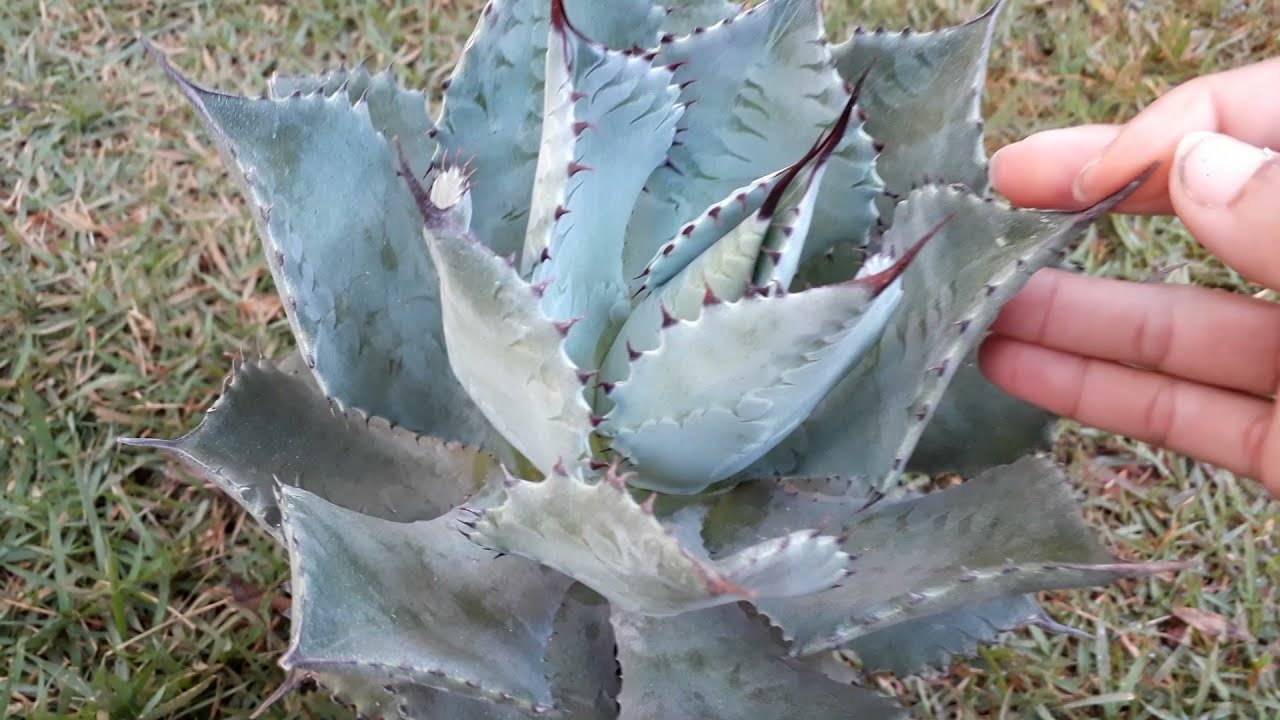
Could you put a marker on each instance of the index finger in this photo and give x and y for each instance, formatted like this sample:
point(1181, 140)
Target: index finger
point(1091, 162)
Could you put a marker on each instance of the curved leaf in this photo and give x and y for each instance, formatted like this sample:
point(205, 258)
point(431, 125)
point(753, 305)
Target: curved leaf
point(493, 106)
point(923, 99)
point(718, 663)
point(271, 427)
point(931, 642)
point(623, 120)
point(504, 350)
point(871, 421)
point(762, 86)
point(597, 534)
point(685, 16)
point(333, 217)
point(492, 116)
point(728, 244)
point(977, 426)
point(399, 114)
point(729, 385)
point(415, 604)
point(703, 232)
point(1014, 530)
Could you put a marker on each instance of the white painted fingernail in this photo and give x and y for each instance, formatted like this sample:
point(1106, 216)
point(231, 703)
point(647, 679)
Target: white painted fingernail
point(1214, 169)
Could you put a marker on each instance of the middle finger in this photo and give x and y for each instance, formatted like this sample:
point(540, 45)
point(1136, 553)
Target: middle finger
point(1208, 336)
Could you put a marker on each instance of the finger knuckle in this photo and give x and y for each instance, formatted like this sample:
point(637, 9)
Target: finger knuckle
point(1161, 412)
point(1154, 337)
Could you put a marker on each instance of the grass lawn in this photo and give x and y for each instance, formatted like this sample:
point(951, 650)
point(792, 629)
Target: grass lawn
point(130, 274)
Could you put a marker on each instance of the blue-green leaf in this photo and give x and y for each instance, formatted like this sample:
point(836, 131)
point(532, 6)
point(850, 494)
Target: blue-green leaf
point(871, 421)
point(342, 235)
point(685, 16)
point(623, 121)
point(399, 114)
point(493, 106)
point(729, 385)
point(492, 116)
point(923, 99)
point(763, 87)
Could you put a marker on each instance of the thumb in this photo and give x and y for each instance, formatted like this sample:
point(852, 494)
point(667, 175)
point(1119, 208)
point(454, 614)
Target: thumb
point(1227, 193)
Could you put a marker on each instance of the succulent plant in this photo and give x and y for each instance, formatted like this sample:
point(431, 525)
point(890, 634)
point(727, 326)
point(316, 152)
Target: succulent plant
point(607, 376)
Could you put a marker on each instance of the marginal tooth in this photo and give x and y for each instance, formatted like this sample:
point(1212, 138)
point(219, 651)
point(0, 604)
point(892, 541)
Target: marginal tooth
point(647, 506)
point(667, 318)
point(564, 326)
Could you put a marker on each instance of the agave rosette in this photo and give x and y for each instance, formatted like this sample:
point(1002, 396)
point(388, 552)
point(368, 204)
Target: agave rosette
point(602, 374)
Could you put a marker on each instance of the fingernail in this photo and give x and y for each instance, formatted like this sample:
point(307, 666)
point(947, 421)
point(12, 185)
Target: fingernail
point(994, 161)
point(1082, 178)
point(1214, 169)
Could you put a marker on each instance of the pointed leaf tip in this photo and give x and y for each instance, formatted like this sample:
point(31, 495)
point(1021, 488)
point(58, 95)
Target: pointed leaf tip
point(881, 280)
point(157, 443)
point(817, 155)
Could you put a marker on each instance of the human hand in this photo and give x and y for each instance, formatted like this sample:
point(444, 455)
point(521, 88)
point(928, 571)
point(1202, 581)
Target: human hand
point(1192, 369)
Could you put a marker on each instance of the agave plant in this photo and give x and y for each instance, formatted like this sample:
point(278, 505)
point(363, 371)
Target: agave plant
point(607, 376)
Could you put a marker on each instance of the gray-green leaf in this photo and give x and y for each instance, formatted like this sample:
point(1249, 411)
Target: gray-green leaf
point(507, 353)
point(271, 427)
point(415, 604)
point(977, 426)
point(719, 663)
point(1014, 530)
point(931, 642)
point(596, 533)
